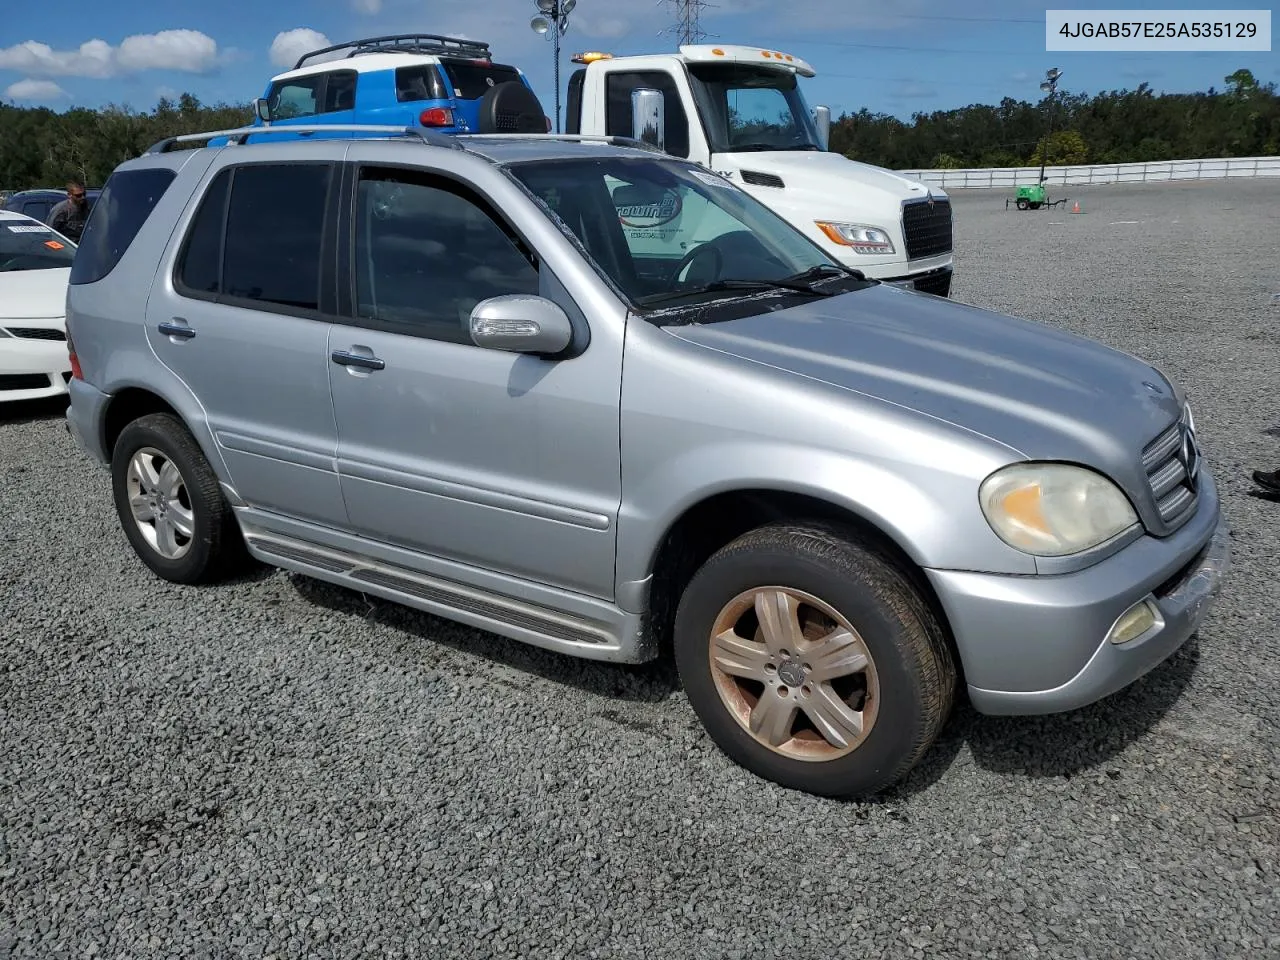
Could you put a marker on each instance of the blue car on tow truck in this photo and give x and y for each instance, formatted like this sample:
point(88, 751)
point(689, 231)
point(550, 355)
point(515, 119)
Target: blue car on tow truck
point(443, 83)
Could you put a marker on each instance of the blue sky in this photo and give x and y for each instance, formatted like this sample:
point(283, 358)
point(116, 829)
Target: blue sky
point(924, 55)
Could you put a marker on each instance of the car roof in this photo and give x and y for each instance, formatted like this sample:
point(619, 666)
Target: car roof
point(365, 63)
point(15, 215)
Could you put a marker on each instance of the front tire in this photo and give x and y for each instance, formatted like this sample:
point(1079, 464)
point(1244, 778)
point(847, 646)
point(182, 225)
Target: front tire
point(812, 661)
point(170, 504)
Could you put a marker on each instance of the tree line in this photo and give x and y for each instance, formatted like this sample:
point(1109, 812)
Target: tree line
point(40, 147)
point(1119, 126)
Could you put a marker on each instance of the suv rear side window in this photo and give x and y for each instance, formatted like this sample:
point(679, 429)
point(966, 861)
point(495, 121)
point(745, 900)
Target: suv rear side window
point(262, 245)
point(419, 83)
point(472, 80)
point(124, 206)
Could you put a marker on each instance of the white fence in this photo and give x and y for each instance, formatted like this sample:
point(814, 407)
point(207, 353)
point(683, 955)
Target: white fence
point(1101, 173)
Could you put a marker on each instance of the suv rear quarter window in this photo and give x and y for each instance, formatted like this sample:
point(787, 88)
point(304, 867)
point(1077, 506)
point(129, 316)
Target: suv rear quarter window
point(124, 206)
point(419, 83)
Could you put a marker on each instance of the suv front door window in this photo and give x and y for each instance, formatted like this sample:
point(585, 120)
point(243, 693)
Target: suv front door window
point(470, 455)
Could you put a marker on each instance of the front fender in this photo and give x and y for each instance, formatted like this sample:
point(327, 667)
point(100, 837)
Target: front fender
point(932, 514)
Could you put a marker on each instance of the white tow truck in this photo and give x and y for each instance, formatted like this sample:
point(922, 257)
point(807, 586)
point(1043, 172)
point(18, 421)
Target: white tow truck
point(739, 111)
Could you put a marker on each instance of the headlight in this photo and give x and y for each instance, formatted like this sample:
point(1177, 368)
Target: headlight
point(862, 237)
point(1054, 510)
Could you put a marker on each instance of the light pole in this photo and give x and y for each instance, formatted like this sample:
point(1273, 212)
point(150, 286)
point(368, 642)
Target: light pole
point(552, 22)
point(1049, 86)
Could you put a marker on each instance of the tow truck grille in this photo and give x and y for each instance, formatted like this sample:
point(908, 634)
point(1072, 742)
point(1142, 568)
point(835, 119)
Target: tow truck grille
point(927, 227)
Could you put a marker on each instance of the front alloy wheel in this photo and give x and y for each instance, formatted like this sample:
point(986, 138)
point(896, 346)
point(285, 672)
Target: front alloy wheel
point(794, 673)
point(813, 660)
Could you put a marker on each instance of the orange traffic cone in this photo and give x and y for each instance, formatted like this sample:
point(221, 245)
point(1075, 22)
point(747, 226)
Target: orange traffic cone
point(1076, 208)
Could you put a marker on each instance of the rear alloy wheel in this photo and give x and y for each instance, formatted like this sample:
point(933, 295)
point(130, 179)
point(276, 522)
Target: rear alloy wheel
point(812, 661)
point(170, 503)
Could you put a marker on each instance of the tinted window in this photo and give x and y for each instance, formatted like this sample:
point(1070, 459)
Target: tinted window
point(473, 80)
point(618, 87)
point(275, 224)
point(126, 202)
point(40, 209)
point(340, 91)
point(419, 83)
point(427, 252)
point(200, 265)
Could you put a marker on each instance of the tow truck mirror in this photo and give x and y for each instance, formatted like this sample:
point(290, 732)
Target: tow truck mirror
point(822, 118)
point(649, 117)
point(263, 108)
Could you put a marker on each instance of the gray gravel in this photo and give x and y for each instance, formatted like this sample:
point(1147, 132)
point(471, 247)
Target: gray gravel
point(276, 768)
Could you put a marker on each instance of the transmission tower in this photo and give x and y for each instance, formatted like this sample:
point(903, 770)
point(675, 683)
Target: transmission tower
point(687, 14)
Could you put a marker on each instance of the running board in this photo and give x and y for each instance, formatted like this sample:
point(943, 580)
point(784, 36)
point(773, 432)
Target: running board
point(503, 615)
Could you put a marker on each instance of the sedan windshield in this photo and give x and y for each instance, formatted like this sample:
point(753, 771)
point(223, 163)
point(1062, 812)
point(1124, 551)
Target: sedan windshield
point(666, 232)
point(25, 245)
point(747, 109)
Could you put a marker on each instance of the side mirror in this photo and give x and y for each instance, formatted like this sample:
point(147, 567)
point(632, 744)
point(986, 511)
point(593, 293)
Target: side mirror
point(649, 117)
point(262, 106)
point(518, 323)
point(822, 118)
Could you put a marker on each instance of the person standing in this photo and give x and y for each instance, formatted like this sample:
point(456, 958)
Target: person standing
point(69, 216)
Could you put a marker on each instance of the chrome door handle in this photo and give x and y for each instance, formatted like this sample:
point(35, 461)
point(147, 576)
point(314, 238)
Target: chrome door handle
point(177, 328)
point(345, 359)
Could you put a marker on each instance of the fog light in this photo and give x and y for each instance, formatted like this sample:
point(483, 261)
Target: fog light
point(1134, 622)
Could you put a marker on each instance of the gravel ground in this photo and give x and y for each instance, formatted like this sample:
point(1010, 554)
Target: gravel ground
point(276, 768)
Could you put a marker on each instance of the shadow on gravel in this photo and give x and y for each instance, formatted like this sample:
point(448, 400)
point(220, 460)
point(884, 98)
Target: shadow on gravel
point(646, 683)
point(30, 411)
point(1065, 745)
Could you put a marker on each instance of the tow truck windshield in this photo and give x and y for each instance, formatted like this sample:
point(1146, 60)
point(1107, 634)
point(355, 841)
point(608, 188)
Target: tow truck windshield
point(747, 109)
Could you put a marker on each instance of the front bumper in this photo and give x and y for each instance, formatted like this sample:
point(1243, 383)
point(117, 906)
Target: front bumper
point(33, 369)
point(1035, 645)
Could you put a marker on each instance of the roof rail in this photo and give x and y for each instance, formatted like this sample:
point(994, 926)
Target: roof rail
point(237, 135)
point(403, 43)
point(613, 141)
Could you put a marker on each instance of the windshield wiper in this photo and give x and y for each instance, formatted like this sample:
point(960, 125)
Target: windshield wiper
point(824, 270)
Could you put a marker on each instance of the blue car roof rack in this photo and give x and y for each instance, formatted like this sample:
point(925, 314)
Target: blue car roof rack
point(429, 43)
point(237, 135)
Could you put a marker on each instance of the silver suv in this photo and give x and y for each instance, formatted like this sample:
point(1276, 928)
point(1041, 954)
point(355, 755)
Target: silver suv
point(459, 373)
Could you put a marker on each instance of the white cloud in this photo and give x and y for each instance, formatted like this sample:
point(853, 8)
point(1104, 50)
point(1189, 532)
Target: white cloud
point(34, 90)
point(93, 59)
point(187, 50)
point(370, 7)
point(289, 45)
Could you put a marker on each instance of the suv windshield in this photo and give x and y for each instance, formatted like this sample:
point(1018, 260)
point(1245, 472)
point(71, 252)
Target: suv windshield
point(664, 231)
point(750, 109)
point(32, 246)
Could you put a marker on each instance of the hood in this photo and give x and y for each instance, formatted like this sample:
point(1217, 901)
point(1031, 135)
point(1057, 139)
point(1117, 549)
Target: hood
point(823, 176)
point(34, 294)
point(1046, 393)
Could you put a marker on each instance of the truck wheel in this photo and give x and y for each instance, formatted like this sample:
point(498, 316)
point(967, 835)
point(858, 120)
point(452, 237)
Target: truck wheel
point(170, 505)
point(1022, 203)
point(812, 662)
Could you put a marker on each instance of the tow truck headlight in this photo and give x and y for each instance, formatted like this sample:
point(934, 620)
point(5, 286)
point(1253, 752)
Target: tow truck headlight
point(861, 237)
point(1054, 509)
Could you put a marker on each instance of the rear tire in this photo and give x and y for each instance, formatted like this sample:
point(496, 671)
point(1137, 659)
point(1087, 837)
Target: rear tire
point(170, 504)
point(822, 646)
point(1023, 204)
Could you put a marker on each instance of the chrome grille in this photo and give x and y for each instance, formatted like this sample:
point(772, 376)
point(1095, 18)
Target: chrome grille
point(1172, 465)
point(927, 227)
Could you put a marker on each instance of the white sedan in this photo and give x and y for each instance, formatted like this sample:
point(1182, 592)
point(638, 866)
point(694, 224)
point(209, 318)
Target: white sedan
point(35, 264)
